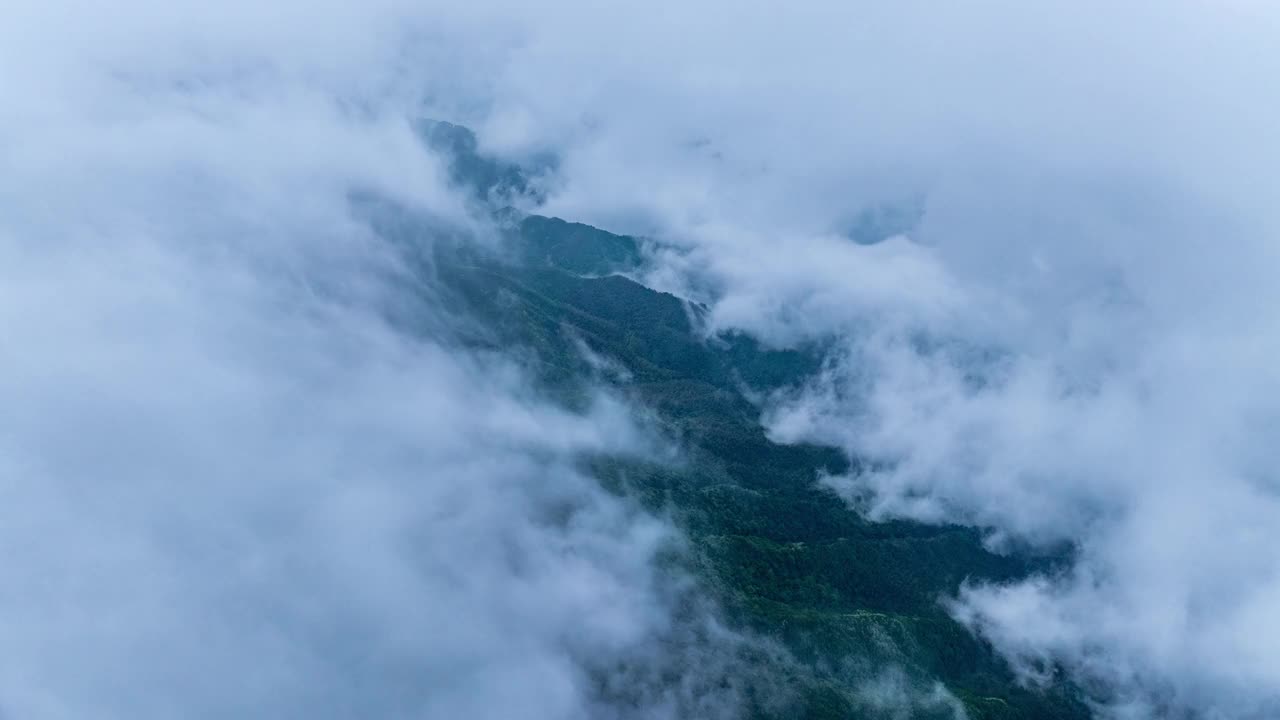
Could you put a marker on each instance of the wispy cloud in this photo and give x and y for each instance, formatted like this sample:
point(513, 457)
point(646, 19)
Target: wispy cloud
point(207, 428)
point(231, 486)
point(1070, 345)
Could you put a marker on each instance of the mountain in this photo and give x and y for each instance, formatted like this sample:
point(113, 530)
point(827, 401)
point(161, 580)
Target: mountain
point(782, 558)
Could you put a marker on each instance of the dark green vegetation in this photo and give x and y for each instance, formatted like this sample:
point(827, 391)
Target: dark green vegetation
point(781, 556)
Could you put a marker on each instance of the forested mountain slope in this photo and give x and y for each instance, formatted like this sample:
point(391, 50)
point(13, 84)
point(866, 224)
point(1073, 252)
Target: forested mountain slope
point(852, 601)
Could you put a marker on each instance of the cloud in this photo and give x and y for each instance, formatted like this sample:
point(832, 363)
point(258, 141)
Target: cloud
point(894, 695)
point(1071, 342)
point(231, 485)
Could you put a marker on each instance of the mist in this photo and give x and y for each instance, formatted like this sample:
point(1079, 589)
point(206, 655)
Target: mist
point(247, 469)
point(1061, 337)
point(1063, 340)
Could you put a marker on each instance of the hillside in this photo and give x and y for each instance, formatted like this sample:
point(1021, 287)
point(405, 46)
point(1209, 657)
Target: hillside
point(782, 557)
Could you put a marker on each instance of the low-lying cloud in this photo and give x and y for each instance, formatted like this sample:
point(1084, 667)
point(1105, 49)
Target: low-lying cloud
point(1069, 342)
point(232, 485)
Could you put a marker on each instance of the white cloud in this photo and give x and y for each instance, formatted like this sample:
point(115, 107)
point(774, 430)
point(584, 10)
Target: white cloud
point(1074, 343)
point(230, 487)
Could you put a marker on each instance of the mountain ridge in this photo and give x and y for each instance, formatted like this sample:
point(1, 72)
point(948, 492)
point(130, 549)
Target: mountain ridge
point(780, 555)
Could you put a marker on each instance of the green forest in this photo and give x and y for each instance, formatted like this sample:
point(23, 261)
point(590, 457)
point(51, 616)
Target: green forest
point(781, 556)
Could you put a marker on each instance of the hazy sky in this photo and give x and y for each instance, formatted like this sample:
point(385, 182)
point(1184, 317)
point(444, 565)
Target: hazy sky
point(1071, 342)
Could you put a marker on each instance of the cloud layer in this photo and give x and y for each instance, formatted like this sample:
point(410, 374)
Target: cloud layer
point(231, 487)
point(1070, 341)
